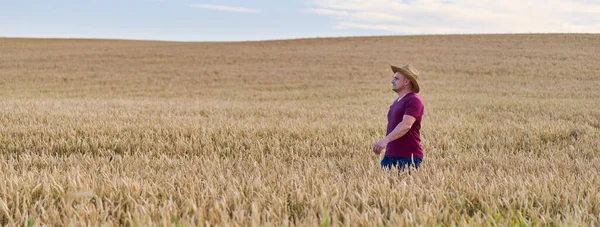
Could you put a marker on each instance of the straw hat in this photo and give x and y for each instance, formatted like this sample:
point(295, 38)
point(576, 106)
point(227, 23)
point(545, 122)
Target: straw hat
point(411, 73)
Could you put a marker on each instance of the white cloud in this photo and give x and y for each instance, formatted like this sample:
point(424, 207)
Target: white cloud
point(226, 8)
point(462, 16)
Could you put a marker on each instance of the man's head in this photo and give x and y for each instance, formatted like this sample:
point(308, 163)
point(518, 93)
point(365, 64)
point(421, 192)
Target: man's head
point(405, 79)
point(401, 83)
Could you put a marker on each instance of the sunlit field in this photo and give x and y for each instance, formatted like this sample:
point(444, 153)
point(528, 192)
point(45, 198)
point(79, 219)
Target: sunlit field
point(108, 132)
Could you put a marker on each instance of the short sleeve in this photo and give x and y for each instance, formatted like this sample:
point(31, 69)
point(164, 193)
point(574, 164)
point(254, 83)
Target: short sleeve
point(414, 108)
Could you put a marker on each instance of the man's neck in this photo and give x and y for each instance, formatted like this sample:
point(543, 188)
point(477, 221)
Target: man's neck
point(403, 93)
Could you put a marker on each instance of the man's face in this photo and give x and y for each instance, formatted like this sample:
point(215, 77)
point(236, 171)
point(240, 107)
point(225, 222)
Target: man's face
point(399, 82)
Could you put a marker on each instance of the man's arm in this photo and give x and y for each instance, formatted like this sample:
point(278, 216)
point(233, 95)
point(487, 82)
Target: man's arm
point(401, 129)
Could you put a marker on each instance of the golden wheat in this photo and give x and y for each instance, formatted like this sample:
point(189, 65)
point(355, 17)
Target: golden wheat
point(106, 132)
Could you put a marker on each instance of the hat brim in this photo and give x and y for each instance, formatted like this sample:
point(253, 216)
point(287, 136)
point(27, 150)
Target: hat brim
point(410, 76)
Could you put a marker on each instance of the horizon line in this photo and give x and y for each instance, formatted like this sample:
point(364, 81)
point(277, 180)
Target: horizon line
point(284, 39)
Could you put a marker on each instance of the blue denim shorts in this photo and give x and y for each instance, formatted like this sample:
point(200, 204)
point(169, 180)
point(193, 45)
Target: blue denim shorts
point(400, 163)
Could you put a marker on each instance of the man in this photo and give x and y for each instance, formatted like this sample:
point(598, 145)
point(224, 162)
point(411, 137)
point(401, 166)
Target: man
point(402, 142)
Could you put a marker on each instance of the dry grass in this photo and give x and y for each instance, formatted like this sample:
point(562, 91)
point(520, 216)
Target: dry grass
point(96, 132)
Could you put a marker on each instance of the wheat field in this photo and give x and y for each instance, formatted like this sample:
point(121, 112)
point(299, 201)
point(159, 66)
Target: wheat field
point(279, 133)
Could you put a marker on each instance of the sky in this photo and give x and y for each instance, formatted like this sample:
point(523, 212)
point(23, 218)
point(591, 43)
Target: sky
point(235, 20)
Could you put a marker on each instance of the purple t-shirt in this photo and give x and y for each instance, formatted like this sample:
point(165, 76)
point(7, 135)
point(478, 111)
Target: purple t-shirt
point(409, 145)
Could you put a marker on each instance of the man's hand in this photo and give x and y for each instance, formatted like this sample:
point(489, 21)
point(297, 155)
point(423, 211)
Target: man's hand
point(380, 145)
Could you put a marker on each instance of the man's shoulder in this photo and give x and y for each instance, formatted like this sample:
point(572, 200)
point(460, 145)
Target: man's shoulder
point(414, 97)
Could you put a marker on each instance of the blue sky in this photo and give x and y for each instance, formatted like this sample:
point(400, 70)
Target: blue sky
point(231, 20)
